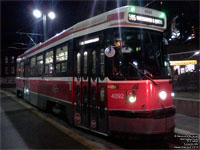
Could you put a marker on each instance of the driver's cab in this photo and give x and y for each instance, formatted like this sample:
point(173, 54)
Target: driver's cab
point(141, 48)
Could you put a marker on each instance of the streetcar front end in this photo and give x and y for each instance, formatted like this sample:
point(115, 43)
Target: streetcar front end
point(139, 81)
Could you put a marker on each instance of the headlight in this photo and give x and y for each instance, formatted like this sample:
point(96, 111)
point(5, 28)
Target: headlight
point(163, 95)
point(172, 94)
point(131, 97)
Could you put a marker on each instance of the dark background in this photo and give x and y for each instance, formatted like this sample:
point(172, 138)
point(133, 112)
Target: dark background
point(16, 16)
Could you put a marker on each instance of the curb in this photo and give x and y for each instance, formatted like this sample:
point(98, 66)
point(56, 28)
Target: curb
point(185, 132)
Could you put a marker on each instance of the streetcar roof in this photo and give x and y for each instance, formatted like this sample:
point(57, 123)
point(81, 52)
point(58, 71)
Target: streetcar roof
point(113, 18)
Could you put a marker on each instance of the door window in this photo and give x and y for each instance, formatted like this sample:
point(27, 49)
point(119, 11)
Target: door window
point(94, 64)
point(93, 96)
point(85, 96)
point(102, 64)
point(85, 64)
point(78, 65)
point(78, 97)
point(32, 66)
point(102, 96)
point(39, 64)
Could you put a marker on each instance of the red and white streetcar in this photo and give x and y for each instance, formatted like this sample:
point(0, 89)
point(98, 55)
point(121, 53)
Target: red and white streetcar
point(108, 74)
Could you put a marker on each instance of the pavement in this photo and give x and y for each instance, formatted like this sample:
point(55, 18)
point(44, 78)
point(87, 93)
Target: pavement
point(187, 125)
point(12, 119)
point(22, 126)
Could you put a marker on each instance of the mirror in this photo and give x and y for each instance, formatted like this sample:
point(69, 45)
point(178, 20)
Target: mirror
point(110, 51)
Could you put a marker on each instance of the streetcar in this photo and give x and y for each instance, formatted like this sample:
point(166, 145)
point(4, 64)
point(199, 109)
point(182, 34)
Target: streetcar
point(108, 74)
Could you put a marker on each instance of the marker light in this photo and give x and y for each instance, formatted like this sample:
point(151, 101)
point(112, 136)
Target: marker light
point(89, 41)
point(132, 9)
point(172, 94)
point(163, 95)
point(162, 15)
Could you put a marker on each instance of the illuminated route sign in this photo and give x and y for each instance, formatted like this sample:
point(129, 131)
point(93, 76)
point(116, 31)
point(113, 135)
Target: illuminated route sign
point(145, 20)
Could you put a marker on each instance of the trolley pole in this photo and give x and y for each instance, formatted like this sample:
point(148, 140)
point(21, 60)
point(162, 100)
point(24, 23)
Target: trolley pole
point(44, 19)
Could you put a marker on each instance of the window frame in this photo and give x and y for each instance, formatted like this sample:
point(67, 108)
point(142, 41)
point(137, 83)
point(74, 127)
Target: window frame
point(38, 66)
point(21, 69)
point(51, 64)
point(102, 69)
point(32, 68)
point(61, 72)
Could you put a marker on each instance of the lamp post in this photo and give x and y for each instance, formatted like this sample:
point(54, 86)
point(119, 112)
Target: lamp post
point(37, 13)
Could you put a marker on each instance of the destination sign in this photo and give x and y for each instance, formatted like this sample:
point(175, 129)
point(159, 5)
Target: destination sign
point(145, 20)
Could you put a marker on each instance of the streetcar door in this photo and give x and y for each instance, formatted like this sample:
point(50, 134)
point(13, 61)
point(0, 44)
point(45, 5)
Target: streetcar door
point(85, 82)
point(93, 88)
point(102, 100)
point(77, 88)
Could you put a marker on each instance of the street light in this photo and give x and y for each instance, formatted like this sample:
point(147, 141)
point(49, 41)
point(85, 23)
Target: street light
point(52, 15)
point(37, 13)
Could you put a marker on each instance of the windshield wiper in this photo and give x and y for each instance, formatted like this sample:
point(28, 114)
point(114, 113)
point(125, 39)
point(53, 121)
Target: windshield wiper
point(143, 73)
point(154, 54)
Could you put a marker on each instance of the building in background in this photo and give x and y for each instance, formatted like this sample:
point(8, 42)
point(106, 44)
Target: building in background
point(8, 66)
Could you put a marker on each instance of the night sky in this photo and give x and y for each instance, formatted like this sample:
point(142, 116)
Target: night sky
point(16, 16)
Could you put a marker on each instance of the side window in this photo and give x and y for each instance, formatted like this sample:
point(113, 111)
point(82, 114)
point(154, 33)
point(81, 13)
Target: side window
point(6, 59)
point(13, 59)
point(49, 62)
point(61, 59)
point(102, 64)
point(32, 66)
point(18, 69)
point(21, 69)
point(39, 64)
point(12, 69)
point(6, 70)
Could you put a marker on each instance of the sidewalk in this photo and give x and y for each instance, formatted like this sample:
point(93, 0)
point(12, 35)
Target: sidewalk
point(187, 125)
point(24, 128)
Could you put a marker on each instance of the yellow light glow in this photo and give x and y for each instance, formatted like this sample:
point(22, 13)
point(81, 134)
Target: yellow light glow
point(183, 62)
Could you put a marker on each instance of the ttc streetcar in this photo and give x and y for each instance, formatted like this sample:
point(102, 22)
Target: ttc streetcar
point(107, 74)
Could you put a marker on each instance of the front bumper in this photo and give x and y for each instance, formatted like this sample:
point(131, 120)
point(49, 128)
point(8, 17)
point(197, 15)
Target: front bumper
point(142, 122)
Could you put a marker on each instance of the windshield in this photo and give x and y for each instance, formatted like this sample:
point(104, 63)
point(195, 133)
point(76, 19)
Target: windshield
point(143, 49)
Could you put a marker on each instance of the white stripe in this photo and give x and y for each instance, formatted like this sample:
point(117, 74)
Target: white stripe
point(46, 78)
point(58, 99)
point(99, 132)
point(140, 110)
point(91, 130)
point(103, 81)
